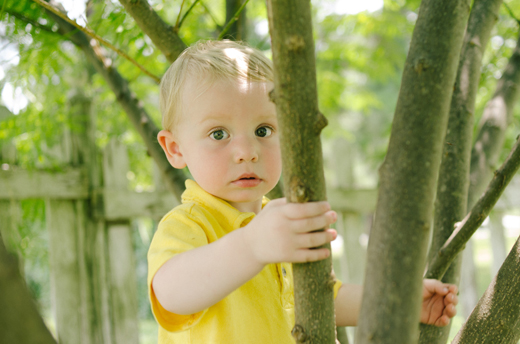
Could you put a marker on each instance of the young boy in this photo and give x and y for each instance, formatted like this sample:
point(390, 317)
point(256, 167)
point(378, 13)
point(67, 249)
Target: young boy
point(219, 263)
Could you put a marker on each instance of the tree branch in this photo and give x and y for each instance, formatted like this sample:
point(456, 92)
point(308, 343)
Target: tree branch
point(176, 27)
point(496, 318)
point(494, 122)
point(186, 14)
point(138, 116)
point(300, 126)
point(21, 322)
point(453, 182)
point(232, 20)
point(408, 177)
point(161, 34)
point(478, 214)
point(92, 34)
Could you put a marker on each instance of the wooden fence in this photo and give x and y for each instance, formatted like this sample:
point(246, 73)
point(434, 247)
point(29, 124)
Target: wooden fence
point(89, 207)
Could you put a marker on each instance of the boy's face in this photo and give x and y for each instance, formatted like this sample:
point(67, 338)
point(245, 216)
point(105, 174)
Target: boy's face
point(228, 137)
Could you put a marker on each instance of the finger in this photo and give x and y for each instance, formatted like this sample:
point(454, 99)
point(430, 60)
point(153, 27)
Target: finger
point(450, 311)
point(451, 299)
point(321, 221)
point(431, 286)
point(442, 321)
point(304, 210)
point(315, 239)
point(307, 255)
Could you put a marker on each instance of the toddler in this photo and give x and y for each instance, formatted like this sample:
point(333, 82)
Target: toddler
point(220, 263)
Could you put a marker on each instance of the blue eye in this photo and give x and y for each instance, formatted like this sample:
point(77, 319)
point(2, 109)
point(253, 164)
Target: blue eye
point(219, 135)
point(263, 132)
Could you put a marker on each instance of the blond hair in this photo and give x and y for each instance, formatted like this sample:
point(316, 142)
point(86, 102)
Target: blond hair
point(211, 61)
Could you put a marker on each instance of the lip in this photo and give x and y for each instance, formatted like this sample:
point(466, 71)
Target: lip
point(247, 180)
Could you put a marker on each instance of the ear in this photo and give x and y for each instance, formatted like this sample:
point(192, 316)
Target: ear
point(171, 148)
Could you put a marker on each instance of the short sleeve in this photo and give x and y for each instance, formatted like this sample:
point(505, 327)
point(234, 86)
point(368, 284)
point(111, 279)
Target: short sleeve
point(178, 232)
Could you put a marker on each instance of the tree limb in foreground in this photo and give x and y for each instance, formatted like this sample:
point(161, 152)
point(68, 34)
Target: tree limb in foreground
point(173, 178)
point(453, 182)
point(20, 321)
point(408, 177)
point(496, 318)
point(296, 99)
point(162, 34)
point(478, 214)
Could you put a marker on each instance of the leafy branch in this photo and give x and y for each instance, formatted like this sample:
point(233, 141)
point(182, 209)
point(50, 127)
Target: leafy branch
point(92, 34)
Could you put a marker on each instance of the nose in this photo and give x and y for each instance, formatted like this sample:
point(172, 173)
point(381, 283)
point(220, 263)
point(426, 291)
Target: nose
point(245, 149)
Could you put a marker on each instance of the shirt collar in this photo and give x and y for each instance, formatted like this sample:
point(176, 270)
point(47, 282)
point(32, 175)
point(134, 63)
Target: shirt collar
point(225, 213)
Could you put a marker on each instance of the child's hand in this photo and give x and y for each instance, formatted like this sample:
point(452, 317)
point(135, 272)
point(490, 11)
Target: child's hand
point(280, 232)
point(439, 301)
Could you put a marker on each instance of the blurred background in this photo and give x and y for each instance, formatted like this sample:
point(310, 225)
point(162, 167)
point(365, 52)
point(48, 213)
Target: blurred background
point(63, 136)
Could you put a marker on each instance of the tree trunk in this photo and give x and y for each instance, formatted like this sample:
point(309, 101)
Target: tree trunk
point(495, 119)
point(295, 96)
point(453, 183)
point(496, 318)
point(237, 31)
point(408, 176)
point(20, 321)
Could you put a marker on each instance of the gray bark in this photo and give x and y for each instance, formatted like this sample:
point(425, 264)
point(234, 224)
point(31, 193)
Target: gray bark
point(398, 243)
point(295, 96)
point(496, 318)
point(453, 183)
point(161, 33)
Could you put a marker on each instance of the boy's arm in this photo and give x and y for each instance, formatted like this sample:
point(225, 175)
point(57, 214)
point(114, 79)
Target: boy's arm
point(438, 305)
point(197, 279)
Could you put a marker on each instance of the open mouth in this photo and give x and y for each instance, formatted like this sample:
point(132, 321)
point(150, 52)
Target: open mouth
point(247, 180)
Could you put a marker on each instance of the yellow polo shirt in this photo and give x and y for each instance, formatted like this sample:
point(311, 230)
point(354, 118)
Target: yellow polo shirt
point(260, 311)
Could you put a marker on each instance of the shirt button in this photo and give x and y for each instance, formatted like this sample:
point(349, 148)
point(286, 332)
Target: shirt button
point(283, 272)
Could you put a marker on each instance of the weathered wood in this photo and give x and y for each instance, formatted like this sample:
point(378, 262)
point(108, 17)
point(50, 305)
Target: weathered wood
point(123, 284)
point(68, 264)
point(21, 184)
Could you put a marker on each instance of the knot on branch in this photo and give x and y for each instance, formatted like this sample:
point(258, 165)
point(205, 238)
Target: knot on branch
point(295, 43)
point(420, 65)
point(299, 334)
point(320, 123)
point(298, 191)
point(475, 42)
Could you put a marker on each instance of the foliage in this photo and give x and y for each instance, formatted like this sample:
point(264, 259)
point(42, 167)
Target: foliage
point(359, 64)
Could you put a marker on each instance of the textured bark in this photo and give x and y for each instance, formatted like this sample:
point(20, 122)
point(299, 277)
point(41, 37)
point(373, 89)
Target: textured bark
point(138, 116)
point(398, 243)
point(295, 96)
point(161, 33)
point(476, 216)
point(237, 31)
point(453, 183)
point(20, 321)
point(496, 318)
point(495, 120)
